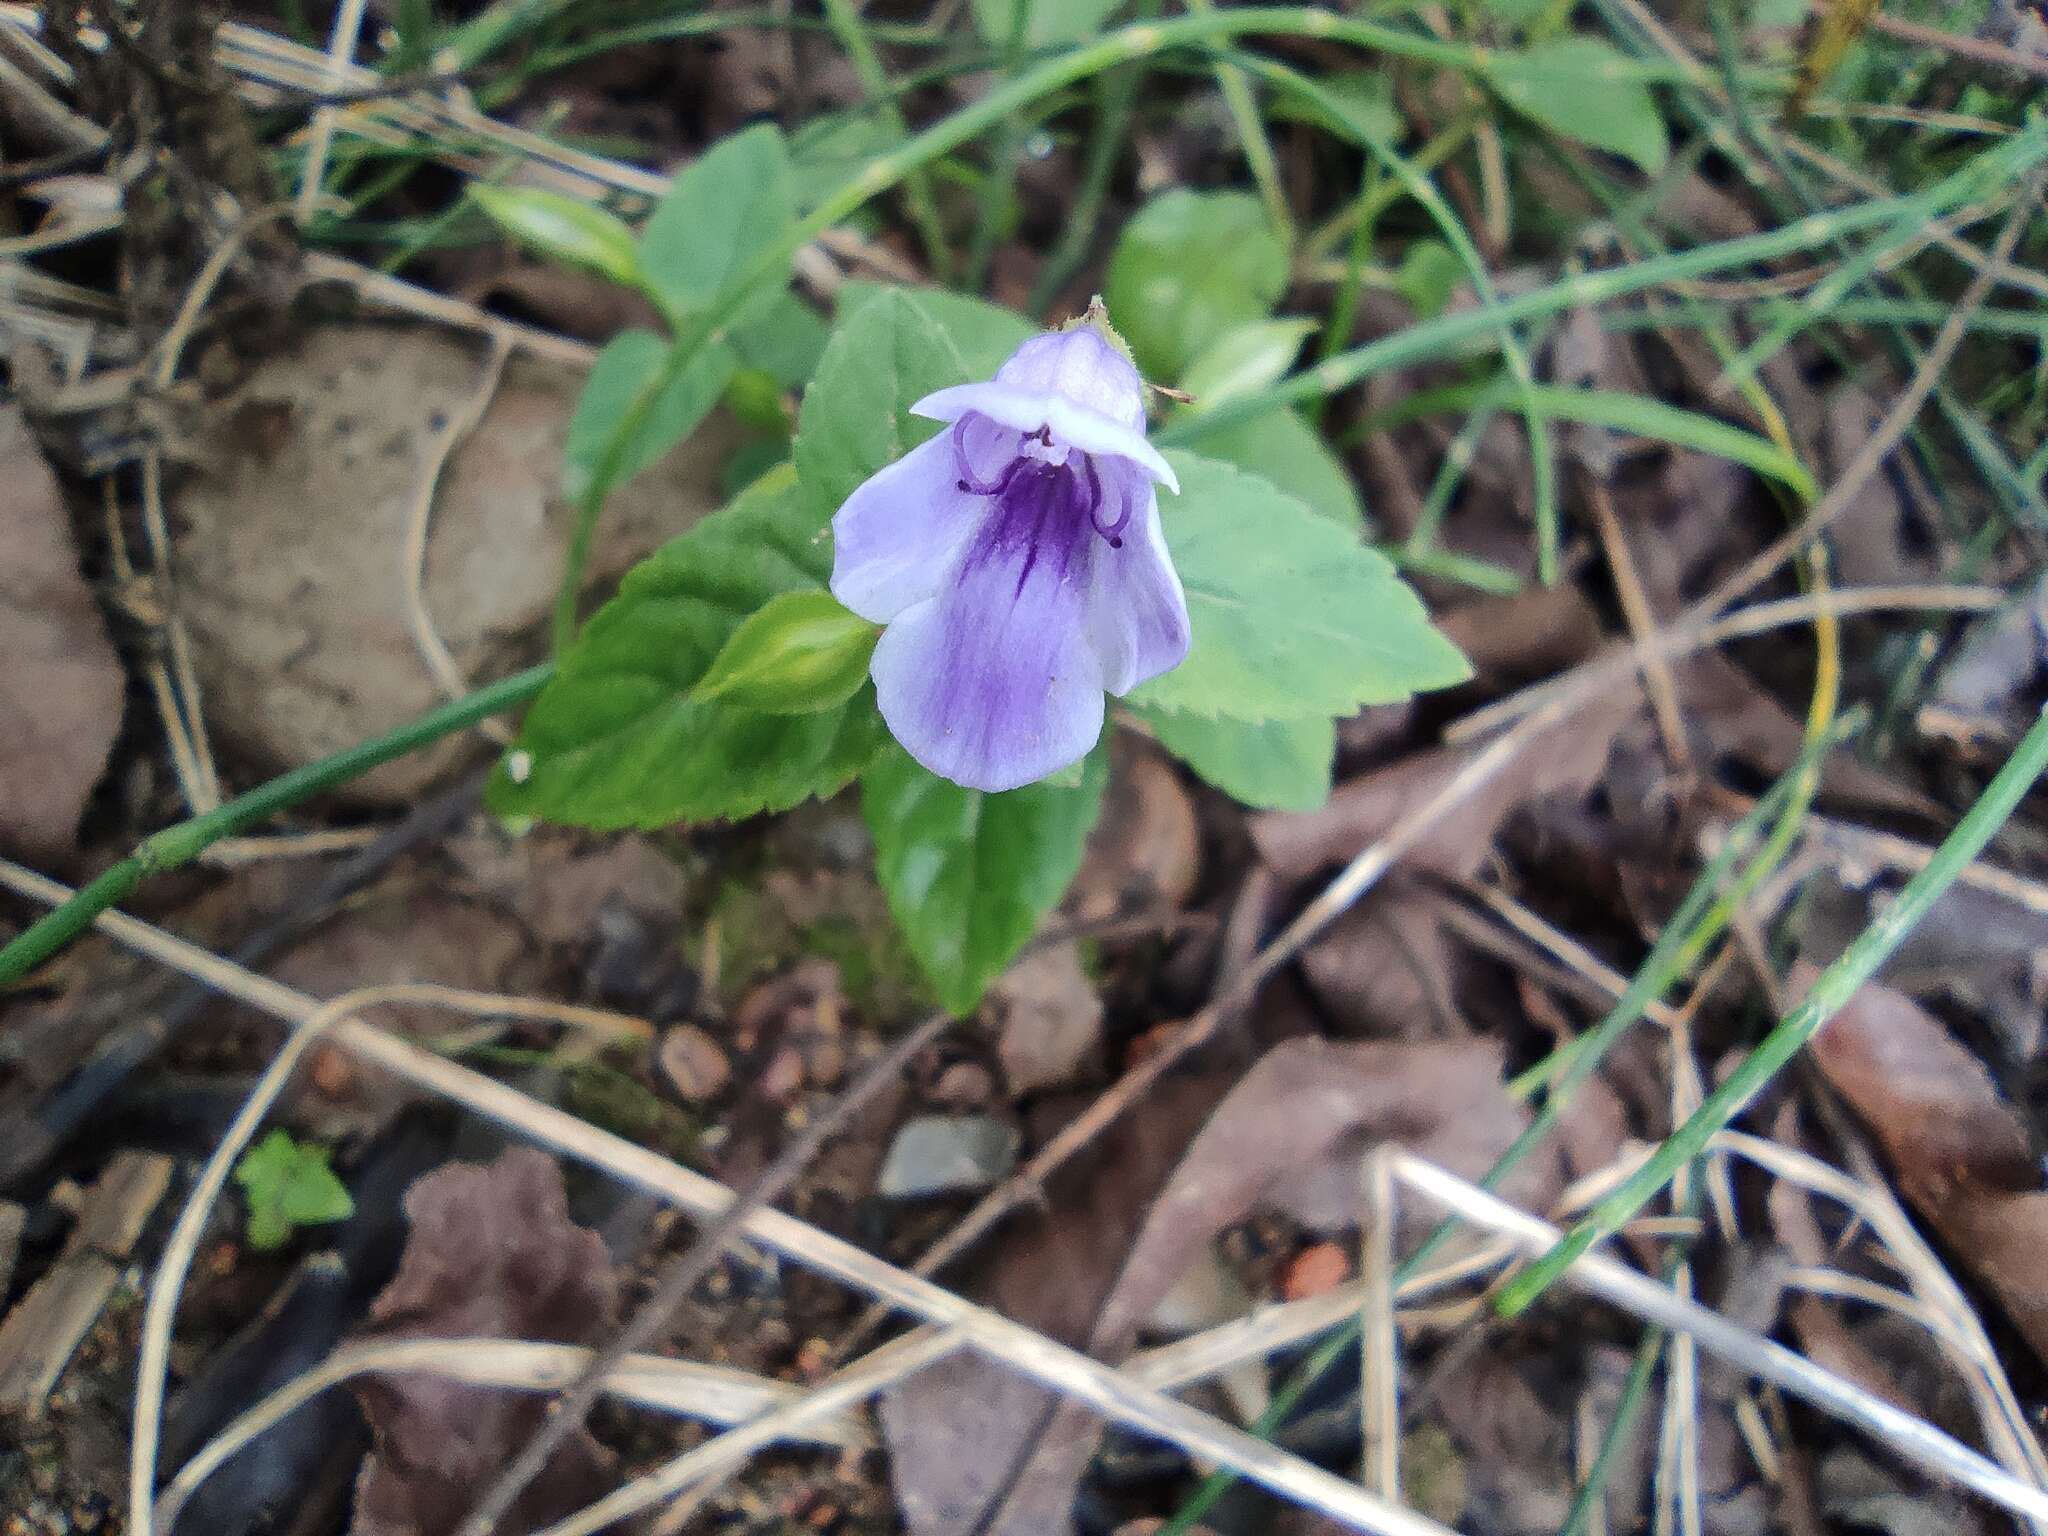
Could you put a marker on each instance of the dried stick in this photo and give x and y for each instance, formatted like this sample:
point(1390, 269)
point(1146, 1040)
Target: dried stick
point(160, 1311)
point(1052, 1364)
point(718, 1394)
point(569, 1411)
point(1634, 1292)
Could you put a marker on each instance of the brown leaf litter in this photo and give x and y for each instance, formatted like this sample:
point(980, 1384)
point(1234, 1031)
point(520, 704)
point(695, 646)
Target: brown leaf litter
point(1289, 1135)
point(1958, 1148)
point(62, 685)
point(492, 1254)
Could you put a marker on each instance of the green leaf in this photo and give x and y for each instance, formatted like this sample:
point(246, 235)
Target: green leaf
point(724, 210)
point(629, 363)
point(985, 334)
point(828, 152)
point(1292, 616)
point(892, 349)
point(287, 1185)
point(1586, 90)
point(785, 341)
point(1429, 274)
point(1271, 765)
point(1282, 447)
point(564, 227)
point(618, 739)
point(800, 652)
point(968, 875)
point(1189, 267)
point(1245, 360)
point(1045, 21)
point(1355, 104)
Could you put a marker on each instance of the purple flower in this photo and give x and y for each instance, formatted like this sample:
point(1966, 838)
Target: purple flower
point(1017, 563)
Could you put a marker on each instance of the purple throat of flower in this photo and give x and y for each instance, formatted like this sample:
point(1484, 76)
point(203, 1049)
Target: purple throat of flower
point(1036, 497)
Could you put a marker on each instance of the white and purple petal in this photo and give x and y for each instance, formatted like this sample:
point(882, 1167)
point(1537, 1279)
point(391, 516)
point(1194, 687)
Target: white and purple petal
point(894, 538)
point(1137, 611)
point(1076, 426)
point(1081, 365)
point(995, 682)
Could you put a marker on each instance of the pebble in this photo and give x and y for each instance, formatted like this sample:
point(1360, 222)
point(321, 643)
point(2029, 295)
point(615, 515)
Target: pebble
point(947, 1154)
point(695, 1064)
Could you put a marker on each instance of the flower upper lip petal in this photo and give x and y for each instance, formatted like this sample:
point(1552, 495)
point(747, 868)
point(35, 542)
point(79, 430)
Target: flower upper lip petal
point(1027, 410)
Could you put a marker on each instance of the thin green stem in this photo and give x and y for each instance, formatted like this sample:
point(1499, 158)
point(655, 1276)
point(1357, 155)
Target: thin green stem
point(1438, 337)
point(1251, 137)
point(849, 27)
point(1681, 943)
point(1833, 989)
point(1127, 44)
point(1115, 93)
point(184, 842)
point(1543, 466)
point(999, 181)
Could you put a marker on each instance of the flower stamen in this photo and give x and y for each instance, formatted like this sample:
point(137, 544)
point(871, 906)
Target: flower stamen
point(971, 483)
point(1113, 532)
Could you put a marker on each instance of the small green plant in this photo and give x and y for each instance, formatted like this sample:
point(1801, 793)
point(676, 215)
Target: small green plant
point(287, 1185)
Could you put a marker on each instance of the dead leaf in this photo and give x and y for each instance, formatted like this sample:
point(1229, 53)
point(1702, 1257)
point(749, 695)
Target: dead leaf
point(1564, 760)
point(291, 560)
point(1512, 1439)
point(1958, 1148)
point(954, 1430)
point(1383, 969)
point(1515, 640)
point(1291, 1132)
point(61, 687)
point(1052, 1019)
point(1146, 849)
point(2001, 654)
point(1874, 538)
point(492, 1254)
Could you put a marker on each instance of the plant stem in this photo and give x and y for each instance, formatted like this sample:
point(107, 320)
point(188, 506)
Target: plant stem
point(849, 28)
point(186, 840)
point(1829, 993)
point(1682, 942)
point(1430, 340)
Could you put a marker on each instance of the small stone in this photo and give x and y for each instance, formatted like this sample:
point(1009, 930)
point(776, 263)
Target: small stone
point(695, 1064)
point(331, 1073)
point(1052, 1019)
point(947, 1154)
point(782, 1077)
point(824, 1059)
point(1315, 1271)
point(964, 1085)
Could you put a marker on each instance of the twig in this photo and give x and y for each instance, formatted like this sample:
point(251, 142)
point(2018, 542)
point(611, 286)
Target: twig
point(147, 1028)
point(1642, 624)
point(184, 842)
point(1979, 50)
point(160, 1311)
point(1875, 449)
point(1829, 993)
point(1052, 1364)
point(1685, 638)
point(419, 519)
point(341, 51)
point(569, 1411)
point(188, 728)
point(856, 1383)
point(1379, 1402)
point(715, 1393)
point(1914, 1439)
